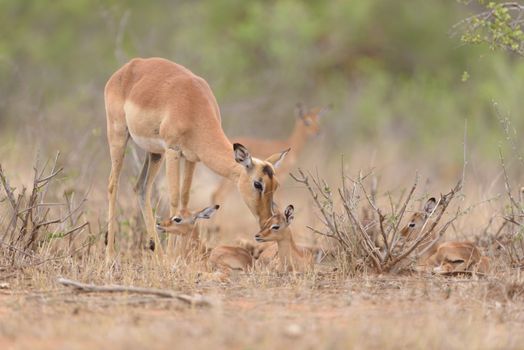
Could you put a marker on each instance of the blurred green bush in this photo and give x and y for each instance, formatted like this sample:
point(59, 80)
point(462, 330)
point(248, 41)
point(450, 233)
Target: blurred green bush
point(389, 67)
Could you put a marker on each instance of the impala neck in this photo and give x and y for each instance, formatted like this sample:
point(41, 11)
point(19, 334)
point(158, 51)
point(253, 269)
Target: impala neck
point(298, 137)
point(216, 152)
point(188, 244)
point(288, 252)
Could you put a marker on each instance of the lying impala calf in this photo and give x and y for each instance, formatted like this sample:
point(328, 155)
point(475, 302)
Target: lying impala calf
point(458, 257)
point(445, 257)
point(417, 225)
point(222, 257)
point(291, 257)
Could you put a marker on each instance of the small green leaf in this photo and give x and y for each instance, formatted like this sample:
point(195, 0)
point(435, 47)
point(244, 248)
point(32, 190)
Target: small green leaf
point(465, 76)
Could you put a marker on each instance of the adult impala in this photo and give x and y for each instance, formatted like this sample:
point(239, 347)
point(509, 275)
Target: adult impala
point(170, 112)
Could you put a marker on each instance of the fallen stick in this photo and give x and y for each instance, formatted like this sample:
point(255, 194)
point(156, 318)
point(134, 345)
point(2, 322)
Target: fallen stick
point(195, 300)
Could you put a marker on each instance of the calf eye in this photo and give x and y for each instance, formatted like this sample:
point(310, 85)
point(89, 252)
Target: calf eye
point(411, 224)
point(275, 227)
point(456, 261)
point(258, 185)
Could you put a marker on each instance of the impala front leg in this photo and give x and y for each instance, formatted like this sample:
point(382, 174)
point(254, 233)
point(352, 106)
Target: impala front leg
point(189, 170)
point(182, 242)
point(173, 187)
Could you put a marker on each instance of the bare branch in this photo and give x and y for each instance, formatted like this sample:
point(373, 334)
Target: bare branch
point(195, 300)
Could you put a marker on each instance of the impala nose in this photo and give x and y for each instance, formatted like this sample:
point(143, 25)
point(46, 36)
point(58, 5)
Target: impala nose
point(258, 238)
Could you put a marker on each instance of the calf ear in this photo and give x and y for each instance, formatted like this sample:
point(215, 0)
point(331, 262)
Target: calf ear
point(242, 155)
point(430, 205)
point(289, 213)
point(207, 213)
point(277, 158)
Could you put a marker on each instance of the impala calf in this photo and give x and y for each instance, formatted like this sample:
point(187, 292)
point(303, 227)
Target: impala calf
point(456, 257)
point(444, 257)
point(276, 228)
point(223, 257)
point(417, 225)
point(307, 126)
point(172, 113)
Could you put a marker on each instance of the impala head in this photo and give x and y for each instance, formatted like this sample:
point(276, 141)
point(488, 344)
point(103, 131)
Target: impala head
point(417, 220)
point(275, 228)
point(310, 118)
point(257, 182)
point(447, 266)
point(185, 221)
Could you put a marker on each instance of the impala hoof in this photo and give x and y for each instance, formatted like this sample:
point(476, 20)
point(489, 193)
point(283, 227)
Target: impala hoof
point(151, 245)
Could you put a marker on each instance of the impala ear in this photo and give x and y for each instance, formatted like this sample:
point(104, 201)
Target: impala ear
point(430, 205)
point(277, 158)
point(325, 110)
point(242, 155)
point(289, 213)
point(207, 213)
point(300, 110)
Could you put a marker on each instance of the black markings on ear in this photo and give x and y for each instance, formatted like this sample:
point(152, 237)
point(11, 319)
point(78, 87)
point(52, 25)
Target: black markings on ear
point(288, 213)
point(242, 155)
point(430, 205)
point(300, 110)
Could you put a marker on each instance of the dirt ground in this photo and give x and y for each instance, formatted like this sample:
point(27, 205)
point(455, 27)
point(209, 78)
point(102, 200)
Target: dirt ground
point(261, 310)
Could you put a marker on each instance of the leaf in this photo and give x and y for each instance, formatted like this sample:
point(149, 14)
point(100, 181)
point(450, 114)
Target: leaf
point(465, 76)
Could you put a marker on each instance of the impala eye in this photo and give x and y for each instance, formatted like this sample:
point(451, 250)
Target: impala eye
point(411, 224)
point(455, 262)
point(275, 227)
point(176, 219)
point(258, 186)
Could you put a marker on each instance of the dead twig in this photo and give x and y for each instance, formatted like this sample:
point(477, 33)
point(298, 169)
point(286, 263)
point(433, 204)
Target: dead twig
point(193, 300)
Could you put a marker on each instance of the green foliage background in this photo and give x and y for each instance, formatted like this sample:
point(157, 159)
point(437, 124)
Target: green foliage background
point(390, 68)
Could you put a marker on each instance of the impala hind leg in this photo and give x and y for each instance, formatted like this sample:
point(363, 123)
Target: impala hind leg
point(117, 146)
point(173, 187)
point(144, 186)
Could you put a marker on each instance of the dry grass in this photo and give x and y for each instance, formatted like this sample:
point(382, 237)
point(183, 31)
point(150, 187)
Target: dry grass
point(259, 310)
point(262, 309)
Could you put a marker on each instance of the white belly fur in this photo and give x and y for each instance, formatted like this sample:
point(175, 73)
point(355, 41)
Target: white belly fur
point(149, 144)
